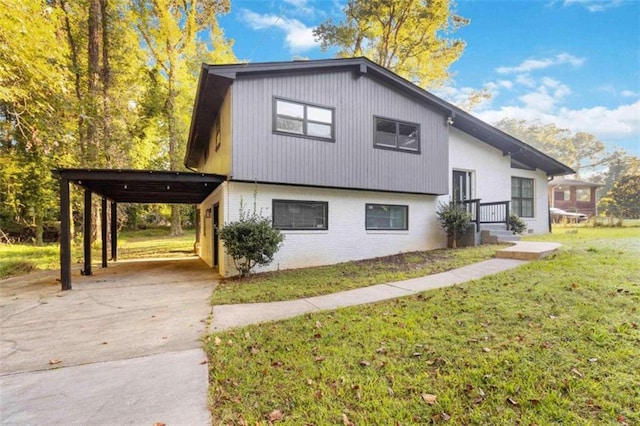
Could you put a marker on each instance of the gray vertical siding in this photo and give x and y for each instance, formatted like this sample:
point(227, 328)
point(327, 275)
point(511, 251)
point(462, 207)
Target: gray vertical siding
point(350, 161)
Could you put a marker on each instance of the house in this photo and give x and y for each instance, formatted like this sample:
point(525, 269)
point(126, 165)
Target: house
point(575, 196)
point(350, 161)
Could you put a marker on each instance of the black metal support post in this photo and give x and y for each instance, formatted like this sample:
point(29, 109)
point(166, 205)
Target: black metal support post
point(114, 231)
point(86, 237)
point(65, 235)
point(103, 229)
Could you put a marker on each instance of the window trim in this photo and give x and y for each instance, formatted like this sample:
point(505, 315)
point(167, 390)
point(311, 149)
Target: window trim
point(304, 135)
point(396, 148)
point(532, 198)
point(278, 200)
point(366, 209)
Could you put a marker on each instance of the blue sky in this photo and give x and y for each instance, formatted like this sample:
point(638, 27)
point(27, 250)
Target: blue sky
point(575, 63)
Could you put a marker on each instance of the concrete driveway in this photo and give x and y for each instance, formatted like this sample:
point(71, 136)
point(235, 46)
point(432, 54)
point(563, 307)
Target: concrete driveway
point(128, 336)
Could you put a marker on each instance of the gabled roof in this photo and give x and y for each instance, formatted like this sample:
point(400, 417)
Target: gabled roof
point(215, 80)
point(573, 182)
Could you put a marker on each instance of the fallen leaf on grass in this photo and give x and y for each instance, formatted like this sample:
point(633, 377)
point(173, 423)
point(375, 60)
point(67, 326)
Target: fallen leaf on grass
point(217, 341)
point(318, 324)
point(275, 416)
point(346, 421)
point(440, 417)
point(577, 372)
point(54, 361)
point(429, 398)
point(622, 419)
point(512, 401)
point(365, 363)
point(486, 350)
point(593, 359)
point(319, 358)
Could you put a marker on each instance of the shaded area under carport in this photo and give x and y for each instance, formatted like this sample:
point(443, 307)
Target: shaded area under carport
point(122, 186)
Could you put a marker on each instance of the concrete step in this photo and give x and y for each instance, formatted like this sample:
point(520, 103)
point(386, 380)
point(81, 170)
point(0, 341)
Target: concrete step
point(528, 250)
point(508, 238)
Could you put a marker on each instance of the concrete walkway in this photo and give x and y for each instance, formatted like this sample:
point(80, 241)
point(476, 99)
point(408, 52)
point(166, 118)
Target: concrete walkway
point(123, 347)
point(230, 316)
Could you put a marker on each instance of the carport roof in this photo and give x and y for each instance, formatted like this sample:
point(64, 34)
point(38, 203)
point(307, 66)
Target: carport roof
point(144, 186)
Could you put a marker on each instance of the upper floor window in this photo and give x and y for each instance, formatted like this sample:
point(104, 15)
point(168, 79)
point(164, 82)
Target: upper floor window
point(300, 215)
point(522, 196)
point(397, 135)
point(386, 216)
point(303, 119)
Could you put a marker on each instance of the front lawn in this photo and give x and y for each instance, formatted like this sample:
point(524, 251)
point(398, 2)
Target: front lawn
point(307, 282)
point(555, 341)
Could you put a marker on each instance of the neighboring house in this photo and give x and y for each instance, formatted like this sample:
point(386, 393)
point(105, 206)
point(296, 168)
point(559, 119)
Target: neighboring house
point(575, 196)
point(350, 161)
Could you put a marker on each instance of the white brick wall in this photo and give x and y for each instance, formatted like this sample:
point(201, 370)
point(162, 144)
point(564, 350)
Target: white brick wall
point(492, 174)
point(346, 239)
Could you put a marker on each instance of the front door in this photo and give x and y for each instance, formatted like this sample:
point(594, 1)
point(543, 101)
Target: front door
point(216, 218)
point(461, 185)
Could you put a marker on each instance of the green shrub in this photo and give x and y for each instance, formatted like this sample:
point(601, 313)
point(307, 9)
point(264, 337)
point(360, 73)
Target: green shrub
point(454, 218)
point(251, 241)
point(517, 225)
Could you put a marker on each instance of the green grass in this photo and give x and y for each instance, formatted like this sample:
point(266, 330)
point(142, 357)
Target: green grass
point(555, 341)
point(19, 259)
point(307, 282)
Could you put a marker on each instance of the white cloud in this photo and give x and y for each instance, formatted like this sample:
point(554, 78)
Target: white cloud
point(594, 5)
point(629, 94)
point(300, 7)
point(298, 37)
point(525, 80)
point(538, 64)
point(607, 124)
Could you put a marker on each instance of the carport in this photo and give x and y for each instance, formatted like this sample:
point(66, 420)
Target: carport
point(122, 186)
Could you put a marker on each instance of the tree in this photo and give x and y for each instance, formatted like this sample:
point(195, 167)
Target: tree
point(170, 31)
point(250, 241)
point(623, 200)
point(405, 36)
point(581, 151)
point(33, 103)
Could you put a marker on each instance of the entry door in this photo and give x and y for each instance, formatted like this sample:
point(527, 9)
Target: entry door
point(216, 217)
point(461, 185)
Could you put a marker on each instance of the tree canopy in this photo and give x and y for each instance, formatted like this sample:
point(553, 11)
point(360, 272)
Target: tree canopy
point(97, 83)
point(405, 36)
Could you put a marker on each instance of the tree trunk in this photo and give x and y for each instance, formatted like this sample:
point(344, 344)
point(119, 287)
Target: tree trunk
point(174, 162)
point(39, 228)
point(93, 68)
point(106, 85)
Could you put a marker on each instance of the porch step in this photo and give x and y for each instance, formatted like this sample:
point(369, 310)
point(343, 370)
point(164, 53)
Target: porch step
point(494, 236)
point(528, 250)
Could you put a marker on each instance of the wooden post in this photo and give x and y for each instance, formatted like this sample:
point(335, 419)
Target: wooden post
point(86, 237)
point(114, 231)
point(103, 229)
point(65, 235)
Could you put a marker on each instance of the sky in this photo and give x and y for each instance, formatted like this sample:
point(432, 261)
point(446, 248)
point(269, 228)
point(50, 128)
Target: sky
point(574, 63)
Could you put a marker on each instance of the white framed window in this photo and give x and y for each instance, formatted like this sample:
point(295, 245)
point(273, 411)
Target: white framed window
point(303, 119)
point(386, 217)
point(396, 135)
point(522, 196)
point(300, 215)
